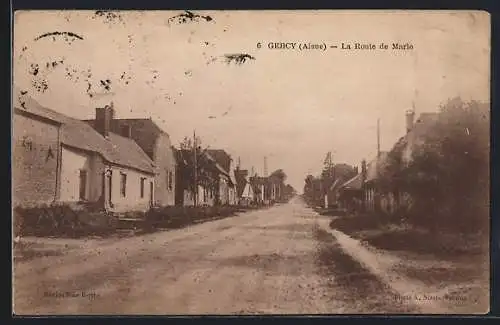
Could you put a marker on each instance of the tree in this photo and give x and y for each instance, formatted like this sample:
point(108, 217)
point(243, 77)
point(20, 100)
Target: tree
point(448, 175)
point(279, 174)
point(206, 173)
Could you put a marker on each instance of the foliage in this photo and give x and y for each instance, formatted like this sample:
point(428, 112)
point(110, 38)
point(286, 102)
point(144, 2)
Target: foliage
point(289, 190)
point(316, 187)
point(61, 220)
point(279, 174)
point(448, 174)
point(206, 172)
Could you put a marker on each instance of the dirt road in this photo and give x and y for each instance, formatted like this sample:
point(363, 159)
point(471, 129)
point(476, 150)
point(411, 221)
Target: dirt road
point(273, 261)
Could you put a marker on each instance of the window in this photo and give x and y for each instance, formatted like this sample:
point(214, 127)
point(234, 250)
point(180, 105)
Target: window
point(143, 181)
point(83, 184)
point(123, 184)
point(170, 180)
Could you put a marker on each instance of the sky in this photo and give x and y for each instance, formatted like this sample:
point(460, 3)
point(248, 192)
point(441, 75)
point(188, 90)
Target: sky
point(291, 106)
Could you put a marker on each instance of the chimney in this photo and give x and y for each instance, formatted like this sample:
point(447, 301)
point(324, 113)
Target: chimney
point(410, 116)
point(356, 170)
point(103, 119)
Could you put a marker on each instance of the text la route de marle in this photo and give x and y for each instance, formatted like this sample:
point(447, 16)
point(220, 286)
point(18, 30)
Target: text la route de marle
point(372, 46)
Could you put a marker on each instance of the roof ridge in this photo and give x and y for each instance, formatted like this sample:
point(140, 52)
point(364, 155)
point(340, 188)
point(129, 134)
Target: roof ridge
point(80, 134)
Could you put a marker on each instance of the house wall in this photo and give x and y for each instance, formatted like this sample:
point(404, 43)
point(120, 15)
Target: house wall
point(165, 180)
point(132, 200)
point(188, 198)
point(224, 190)
point(72, 162)
point(232, 196)
point(206, 196)
point(369, 196)
point(35, 166)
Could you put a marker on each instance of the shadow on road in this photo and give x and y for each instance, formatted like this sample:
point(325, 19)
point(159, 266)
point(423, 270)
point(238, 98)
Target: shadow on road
point(271, 264)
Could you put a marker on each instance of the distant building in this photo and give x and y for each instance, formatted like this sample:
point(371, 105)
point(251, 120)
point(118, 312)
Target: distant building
point(57, 158)
point(227, 188)
point(351, 193)
point(244, 190)
point(332, 182)
point(378, 199)
point(214, 182)
point(372, 192)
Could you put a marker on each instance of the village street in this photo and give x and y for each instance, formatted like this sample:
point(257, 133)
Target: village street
point(272, 261)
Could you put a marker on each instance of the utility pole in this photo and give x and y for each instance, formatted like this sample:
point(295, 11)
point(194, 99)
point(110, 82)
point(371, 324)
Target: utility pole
point(195, 149)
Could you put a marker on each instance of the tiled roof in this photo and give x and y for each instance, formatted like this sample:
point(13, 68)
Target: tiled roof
point(355, 183)
point(335, 184)
point(75, 133)
point(222, 158)
point(217, 165)
point(145, 131)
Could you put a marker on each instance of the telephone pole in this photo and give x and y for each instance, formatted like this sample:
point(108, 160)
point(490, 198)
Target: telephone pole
point(195, 169)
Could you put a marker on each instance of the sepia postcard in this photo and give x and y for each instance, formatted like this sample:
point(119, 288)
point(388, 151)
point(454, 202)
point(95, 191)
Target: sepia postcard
point(250, 162)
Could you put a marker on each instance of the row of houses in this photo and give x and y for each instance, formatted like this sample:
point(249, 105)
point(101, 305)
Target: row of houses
point(119, 164)
point(364, 191)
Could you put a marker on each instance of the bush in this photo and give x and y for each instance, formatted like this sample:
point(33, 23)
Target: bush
point(61, 220)
point(177, 217)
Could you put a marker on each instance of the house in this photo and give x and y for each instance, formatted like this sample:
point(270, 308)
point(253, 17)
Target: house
point(156, 143)
point(184, 196)
point(57, 158)
point(372, 194)
point(233, 197)
point(213, 182)
point(227, 189)
point(351, 193)
point(331, 196)
point(333, 179)
point(404, 148)
point(244, 190)
point(36, 149)
point(388, 201)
